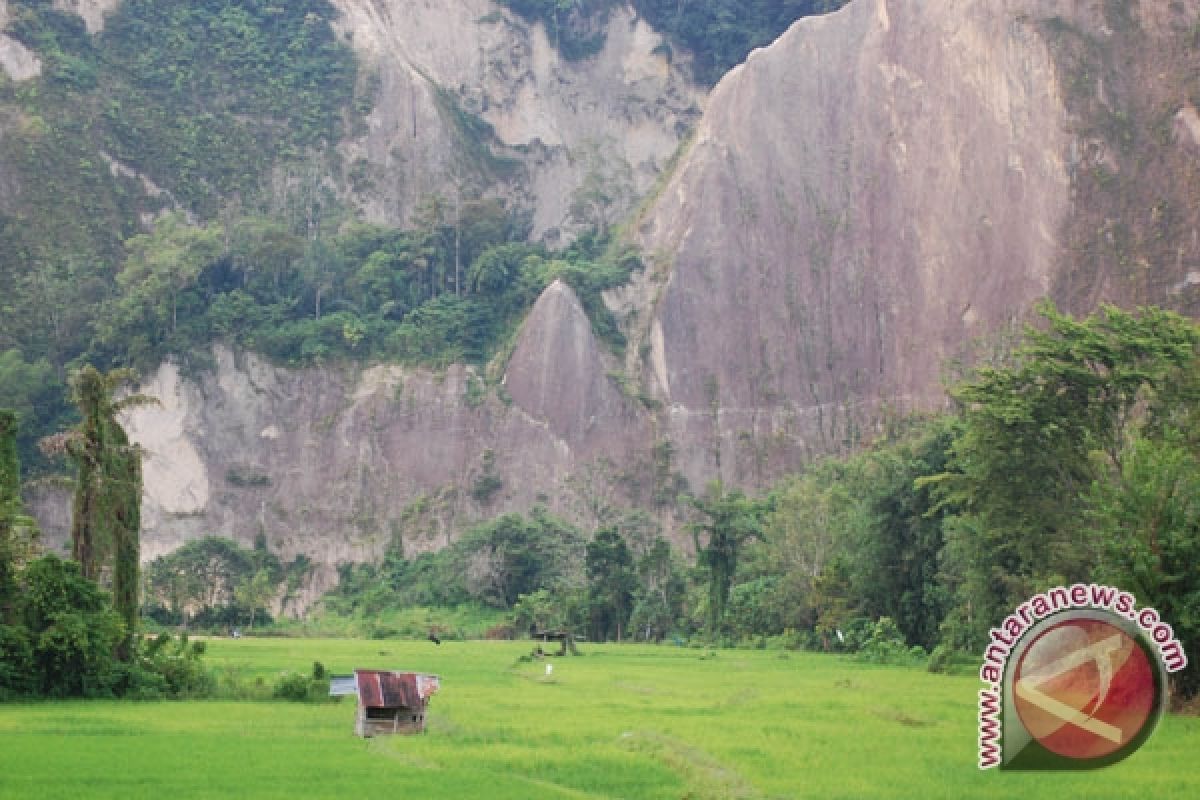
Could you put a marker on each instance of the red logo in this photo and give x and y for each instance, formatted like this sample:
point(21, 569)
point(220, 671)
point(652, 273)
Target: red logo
point(1084, 689)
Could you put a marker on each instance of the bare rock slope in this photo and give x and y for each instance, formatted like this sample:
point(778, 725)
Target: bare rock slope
point(620, 113)
point(876, 191)
point(864, 201)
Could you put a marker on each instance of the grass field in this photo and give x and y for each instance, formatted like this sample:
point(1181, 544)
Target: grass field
point(619, 721)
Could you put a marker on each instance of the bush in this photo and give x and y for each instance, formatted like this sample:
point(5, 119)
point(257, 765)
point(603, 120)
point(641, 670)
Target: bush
point(174, 667)
point(886, 645)
point(16, 663)
point(300, 688)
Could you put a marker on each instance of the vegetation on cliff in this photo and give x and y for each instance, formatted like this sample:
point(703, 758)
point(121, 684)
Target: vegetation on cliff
point(719, 34)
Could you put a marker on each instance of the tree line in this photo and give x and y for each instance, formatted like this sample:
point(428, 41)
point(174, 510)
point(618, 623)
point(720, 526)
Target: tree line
point(1076, 457)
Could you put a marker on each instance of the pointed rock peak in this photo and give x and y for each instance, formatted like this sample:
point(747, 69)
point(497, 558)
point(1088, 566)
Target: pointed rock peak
point(557, 371)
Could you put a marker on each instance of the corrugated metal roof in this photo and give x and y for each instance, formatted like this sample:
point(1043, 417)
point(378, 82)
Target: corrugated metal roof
point(340, 685)
point(384, 689)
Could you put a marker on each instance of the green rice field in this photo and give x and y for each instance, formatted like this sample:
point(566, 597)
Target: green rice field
point(616, 722)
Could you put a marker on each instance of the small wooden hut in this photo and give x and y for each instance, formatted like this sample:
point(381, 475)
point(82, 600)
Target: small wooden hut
point(392, 702)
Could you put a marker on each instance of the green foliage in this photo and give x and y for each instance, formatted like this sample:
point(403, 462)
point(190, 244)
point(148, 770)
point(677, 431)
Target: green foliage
point(18, 532)
point(71, 631)
point(725, 521)
point(197, 93)
point(205, 100)
point(488, 482)
point(1146, 524)
point(212, 583)
point(106, 512)
point(17, 674)
point(515, 555)
point(1038, 434)
point(363, 293)
point(885, 645)
point(34, 392)
point(300, 688)
point(172, 667)
point(611, 581)
point(718, 33)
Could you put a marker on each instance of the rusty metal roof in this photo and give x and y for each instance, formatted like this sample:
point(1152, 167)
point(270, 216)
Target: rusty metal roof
point(386, 689)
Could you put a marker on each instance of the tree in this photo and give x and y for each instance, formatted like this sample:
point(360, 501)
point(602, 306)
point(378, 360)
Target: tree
point(206, 575)
point(659, 594)
point(106, 514)
point(73, 631)
point(806, 529)
point(18, 532)
point(254, 592)
point(895, 553)
point(1038, 433)
point(611, 583)
point(160, 265)
point(513, 555)
point(727, 520)
point(1147, 528)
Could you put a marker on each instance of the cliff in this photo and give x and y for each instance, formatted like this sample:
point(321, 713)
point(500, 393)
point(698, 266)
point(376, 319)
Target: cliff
point(619, 114)
point(880, 194)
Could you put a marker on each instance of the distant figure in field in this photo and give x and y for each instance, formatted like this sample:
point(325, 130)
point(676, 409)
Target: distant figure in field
point(433, 637)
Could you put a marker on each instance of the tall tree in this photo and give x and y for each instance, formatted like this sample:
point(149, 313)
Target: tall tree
point(106, 514)
point(725, 522)
point(17, 531)
point(1038, 433)
point(611, 583)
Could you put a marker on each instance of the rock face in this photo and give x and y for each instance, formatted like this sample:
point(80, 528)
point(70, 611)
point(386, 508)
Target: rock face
point(17, 61)
point(334, 464)
point(620, 113)
point(866, 200)
point(558, 374)
point(898, 192)
point(93, 12)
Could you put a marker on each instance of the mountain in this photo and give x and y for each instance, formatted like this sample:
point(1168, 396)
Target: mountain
point(878, 196)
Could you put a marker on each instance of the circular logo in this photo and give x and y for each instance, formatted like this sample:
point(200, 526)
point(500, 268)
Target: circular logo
point(1084, 689)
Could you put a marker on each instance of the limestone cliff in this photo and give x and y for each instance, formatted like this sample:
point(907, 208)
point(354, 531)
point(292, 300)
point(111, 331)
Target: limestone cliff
point(883, 187)
point(17, 62)
point(877, 194)
point(620, 113)
point(334, 463)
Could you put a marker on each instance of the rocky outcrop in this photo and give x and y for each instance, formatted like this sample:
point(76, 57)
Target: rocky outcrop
point(470, 96)
point(558, 373)
point(93, 12)
point(866, 198)
point(335, 463)
point(871, 198)
point(17, 61)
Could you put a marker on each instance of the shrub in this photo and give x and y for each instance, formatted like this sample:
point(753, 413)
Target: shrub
point(174, 667)
point(300, 688)
point(886, 645)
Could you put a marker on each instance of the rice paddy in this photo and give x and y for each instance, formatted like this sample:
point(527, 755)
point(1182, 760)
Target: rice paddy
point(620, 721)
